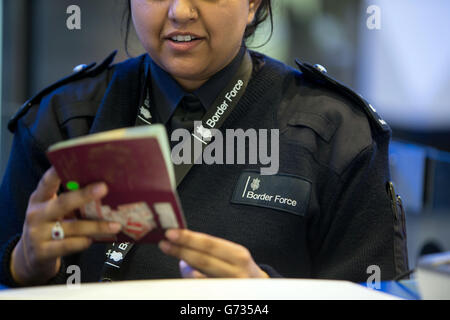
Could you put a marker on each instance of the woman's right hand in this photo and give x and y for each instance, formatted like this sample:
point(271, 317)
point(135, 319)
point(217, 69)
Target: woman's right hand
point(37, 257)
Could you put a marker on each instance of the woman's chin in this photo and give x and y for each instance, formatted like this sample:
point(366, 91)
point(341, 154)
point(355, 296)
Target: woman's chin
point(189, 68)
point(188, 74)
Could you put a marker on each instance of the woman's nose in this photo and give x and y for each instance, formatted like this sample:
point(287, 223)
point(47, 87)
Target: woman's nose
point(182, 11)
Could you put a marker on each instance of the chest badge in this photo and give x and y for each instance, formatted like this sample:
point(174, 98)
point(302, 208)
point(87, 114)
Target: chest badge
point(282, 192)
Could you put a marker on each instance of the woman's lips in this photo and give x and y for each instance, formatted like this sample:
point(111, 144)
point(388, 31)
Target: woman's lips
point(183, 46)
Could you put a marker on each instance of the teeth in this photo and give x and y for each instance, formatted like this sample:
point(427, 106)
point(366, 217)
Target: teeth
point(181, 38)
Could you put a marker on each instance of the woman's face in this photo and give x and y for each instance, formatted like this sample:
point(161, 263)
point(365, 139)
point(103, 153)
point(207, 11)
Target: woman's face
point(192, 39)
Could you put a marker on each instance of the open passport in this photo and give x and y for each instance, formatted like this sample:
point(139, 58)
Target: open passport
point(136, 165)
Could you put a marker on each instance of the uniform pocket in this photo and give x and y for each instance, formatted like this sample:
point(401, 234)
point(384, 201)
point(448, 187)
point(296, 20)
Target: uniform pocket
point(76, 119)
point(322, 126)
point(77, 110)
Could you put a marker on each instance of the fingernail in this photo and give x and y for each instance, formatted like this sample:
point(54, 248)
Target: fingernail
point(114, 227)
point(172, 234)
point(164, 245)
point(99, 190)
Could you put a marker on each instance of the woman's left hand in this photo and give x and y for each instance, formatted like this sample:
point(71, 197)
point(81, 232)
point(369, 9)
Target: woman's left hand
point(209, 256)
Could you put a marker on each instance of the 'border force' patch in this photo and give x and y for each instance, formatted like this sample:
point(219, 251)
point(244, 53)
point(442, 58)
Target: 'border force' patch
point(283, 192)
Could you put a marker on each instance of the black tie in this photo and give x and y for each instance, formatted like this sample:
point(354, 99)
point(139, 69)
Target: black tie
point(189, 110)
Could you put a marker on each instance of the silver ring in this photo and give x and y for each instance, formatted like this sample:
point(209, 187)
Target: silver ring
point(57, 231)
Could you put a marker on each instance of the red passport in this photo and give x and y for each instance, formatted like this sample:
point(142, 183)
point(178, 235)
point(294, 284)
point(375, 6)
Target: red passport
point(135, 163)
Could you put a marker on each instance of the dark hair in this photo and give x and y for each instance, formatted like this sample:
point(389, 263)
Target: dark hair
point(264, 12)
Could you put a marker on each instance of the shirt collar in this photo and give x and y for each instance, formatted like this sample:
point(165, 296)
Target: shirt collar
point(167, 93)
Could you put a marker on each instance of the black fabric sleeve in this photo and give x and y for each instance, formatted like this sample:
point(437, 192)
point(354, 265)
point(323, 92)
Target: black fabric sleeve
point(358, 227)
point(27, 163)
point(5, 258)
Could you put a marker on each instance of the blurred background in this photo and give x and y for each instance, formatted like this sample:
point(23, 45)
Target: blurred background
point(395, 53)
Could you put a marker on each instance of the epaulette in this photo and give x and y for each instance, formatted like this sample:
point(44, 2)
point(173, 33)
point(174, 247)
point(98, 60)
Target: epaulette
point(79, 72)
point(318, 74)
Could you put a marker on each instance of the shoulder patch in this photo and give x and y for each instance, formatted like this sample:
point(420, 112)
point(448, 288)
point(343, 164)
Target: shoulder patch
point(79, 72)
point(318, 74)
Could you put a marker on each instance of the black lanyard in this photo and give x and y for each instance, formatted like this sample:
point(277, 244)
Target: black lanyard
point(214, 118)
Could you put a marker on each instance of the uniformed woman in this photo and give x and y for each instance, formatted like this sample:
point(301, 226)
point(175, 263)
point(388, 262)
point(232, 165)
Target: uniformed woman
point(326, 213)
